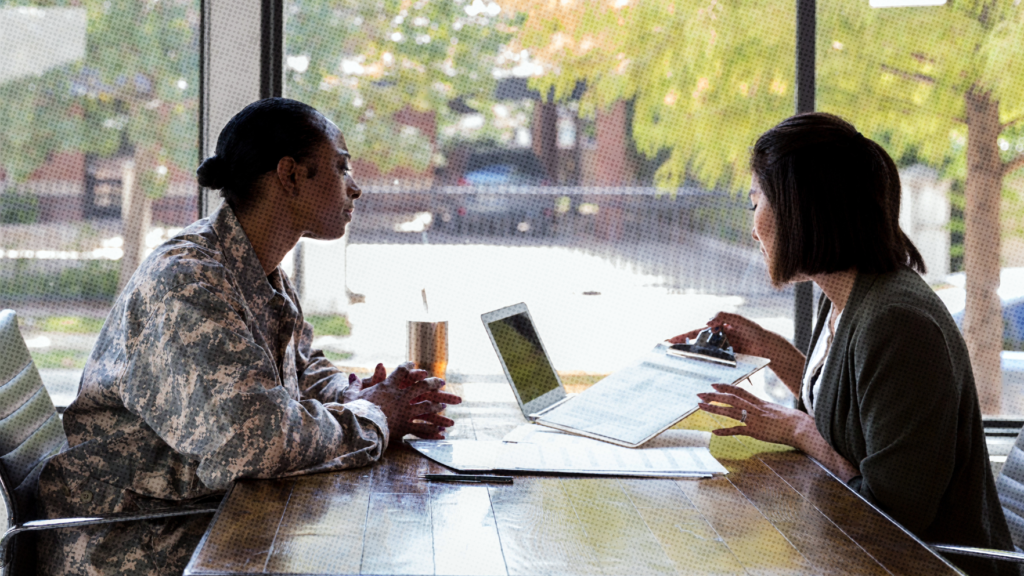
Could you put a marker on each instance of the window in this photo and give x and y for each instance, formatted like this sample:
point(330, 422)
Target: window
point(935, 98)
point(609, 197)
point(586, 158)
point(99, 103)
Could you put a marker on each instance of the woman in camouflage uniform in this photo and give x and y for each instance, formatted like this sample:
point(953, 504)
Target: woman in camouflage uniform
point(204, 372)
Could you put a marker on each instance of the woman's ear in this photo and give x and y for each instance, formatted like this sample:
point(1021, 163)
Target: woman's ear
point(288, 173)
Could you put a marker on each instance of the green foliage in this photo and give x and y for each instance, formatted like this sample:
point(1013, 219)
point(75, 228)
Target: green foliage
point(127, 92)
point(708, 78)
point(906, 71)
point(330, 325)
point(368, 61)
point(60, 359)
point(94, 280)
point(337, 356)
point(1013, 344)
point(957, 201)
point(39, 118)
point(18, 208)
point(705, 78)
point(69, 324)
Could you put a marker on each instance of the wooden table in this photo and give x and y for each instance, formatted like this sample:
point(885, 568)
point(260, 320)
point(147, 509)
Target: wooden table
point(776, 512)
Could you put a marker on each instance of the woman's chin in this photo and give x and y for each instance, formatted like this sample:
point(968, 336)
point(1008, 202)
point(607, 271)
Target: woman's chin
point(334, 233)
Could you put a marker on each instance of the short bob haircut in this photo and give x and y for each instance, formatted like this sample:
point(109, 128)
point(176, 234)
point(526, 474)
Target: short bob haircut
point(255, 140)
point(836, 199)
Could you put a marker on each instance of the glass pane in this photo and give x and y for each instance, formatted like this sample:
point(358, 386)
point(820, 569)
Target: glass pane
point(588, 160)
point(930, 84)
point(99, 105)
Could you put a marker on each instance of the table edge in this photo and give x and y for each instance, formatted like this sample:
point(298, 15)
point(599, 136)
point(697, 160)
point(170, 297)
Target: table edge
point(206, 534)
point(884, 515)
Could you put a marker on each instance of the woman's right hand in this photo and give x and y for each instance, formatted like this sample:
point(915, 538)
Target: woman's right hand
point(411, 401)
point(748, 337)
point(745, 336)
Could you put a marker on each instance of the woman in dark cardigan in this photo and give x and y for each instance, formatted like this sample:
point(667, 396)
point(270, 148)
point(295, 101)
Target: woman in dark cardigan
point(887, 396)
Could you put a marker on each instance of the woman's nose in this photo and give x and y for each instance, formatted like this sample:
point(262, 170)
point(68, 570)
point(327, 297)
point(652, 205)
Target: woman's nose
point(753, 232)
point(354, 191)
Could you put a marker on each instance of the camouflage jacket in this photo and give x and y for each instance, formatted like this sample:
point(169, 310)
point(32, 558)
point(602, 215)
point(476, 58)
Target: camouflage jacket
point(202, 374)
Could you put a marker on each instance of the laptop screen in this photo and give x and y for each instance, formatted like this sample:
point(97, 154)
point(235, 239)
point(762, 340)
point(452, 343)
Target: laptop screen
point(527, 364)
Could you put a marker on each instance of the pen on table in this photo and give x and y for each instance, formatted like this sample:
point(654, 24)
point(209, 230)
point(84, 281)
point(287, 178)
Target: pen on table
point(466, 478)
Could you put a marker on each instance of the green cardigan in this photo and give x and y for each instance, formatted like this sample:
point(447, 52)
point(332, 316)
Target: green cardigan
point(897, 400)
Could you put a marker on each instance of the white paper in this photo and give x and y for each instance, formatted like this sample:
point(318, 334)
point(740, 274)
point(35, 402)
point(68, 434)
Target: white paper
point(534, 434)
point(636, 403)
point(532, 448)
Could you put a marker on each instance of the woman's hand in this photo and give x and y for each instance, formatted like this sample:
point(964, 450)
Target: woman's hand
point(748, 337)
point(770, 422)
point(765, 421)
point(410, 401)
point(357, 385)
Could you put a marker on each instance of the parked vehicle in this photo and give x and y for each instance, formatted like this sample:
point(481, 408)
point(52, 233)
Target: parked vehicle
point(1011, 294)
point(501, 194)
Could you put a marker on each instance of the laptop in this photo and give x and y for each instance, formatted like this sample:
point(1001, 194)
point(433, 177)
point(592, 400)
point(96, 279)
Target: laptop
point(627, 408)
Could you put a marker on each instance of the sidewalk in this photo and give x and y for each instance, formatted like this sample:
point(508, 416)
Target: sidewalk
point(593, 315)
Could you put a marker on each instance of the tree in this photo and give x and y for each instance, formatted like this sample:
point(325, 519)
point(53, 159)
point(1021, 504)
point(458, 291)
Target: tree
point(708, 77)
point(137, 85)
point(358, 62)
point(362, 63)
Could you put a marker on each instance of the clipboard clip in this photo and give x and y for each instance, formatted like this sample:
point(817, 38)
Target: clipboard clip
point(711, 345)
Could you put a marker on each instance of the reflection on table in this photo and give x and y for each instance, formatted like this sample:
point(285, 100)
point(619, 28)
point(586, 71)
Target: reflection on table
point(776, 512)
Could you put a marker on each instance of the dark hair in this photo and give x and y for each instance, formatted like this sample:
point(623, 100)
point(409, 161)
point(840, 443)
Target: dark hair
point(255, 140)
point(836, 199)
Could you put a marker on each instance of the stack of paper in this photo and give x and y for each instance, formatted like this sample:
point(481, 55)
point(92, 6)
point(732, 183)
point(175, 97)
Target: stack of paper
point(532, 448)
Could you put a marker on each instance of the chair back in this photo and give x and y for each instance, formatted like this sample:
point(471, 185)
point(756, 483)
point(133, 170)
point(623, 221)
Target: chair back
point(30, 429)
point(1010, 485)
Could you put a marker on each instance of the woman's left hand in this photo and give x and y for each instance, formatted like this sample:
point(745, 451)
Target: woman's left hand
point(357, 385)
point(765, 421)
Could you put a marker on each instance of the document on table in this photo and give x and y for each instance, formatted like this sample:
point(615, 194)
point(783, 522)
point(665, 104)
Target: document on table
point(640, 401)
point(532, 448)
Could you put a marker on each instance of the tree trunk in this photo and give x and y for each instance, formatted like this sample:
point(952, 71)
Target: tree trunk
point(545, 138)
point(983, 323)
point(136, 214)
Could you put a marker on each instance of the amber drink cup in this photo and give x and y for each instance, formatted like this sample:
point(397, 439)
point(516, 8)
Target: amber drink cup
point(428, 346)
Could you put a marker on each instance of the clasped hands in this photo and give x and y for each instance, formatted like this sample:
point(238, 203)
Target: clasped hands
point(408, 398)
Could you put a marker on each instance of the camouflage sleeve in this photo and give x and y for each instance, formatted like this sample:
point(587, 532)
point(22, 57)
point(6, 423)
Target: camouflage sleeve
point(200, 381)
point(319, 378)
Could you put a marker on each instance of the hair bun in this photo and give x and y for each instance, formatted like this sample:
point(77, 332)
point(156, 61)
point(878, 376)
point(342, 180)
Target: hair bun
point(212, 173)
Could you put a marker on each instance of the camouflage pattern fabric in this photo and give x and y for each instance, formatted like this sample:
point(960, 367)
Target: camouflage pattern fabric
point(202, 374)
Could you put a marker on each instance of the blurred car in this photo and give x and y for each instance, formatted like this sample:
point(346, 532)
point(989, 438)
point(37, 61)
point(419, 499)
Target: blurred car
point(1011, 294)
point(511, 208)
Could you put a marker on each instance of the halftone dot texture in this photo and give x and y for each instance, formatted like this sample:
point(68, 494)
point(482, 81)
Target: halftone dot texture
point(30, 430)
point(586, 157)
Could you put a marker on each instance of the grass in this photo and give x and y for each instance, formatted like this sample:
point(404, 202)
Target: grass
point(576, 382)
point(330, 325)
point(69, 324)
point(337, 356)
point(94, 280)
point(60, 359)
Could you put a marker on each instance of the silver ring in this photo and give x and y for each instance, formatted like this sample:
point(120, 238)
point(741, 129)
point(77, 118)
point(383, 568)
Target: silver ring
point(743, 416)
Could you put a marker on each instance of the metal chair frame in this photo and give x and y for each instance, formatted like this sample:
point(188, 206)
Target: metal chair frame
point(15, 528)
point(944, 549)
point(54, 524)
point(995, 426)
